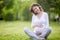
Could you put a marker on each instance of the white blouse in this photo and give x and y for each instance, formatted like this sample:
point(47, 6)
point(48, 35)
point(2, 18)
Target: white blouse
point(43, 20)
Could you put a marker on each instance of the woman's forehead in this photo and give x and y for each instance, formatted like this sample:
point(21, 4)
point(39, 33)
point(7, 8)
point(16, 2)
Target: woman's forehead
point(35, 7)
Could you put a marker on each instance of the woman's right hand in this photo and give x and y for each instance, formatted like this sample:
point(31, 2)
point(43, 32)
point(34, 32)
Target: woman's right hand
point(38, 33)
point(38, 25)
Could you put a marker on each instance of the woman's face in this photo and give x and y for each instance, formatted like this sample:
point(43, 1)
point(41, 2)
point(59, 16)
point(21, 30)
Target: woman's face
point(36, 9)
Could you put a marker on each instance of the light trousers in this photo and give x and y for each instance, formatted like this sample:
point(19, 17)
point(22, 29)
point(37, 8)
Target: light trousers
point(44, 34)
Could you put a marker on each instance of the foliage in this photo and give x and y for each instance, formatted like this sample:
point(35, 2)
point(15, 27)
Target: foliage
point(52, 7)
point(9, 17)
point(20, 8)
point(44, 4)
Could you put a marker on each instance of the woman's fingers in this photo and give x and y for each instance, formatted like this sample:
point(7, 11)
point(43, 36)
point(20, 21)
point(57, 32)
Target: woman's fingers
point(38, 32)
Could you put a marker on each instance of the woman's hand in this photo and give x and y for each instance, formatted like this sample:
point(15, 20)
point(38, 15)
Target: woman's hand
point(38, 33)
point(38, 25)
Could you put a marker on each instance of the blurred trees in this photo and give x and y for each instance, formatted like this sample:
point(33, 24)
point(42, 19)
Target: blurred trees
point(15, 9)
point(4, 6)
point(50, 6)
point(44, 4)
point(19, 9)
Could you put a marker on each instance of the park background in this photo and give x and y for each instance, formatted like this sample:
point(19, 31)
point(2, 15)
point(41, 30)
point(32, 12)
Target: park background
point(15, 15)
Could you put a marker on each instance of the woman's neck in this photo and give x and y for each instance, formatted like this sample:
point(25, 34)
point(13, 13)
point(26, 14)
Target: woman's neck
point(39, 14)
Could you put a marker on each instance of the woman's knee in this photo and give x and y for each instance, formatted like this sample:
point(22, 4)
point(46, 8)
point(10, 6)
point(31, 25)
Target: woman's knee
point(49, 30)
point(25, 29)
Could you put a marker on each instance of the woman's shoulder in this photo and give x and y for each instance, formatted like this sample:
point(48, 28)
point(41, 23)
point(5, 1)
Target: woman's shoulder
point(33, 15)
point(45, 13)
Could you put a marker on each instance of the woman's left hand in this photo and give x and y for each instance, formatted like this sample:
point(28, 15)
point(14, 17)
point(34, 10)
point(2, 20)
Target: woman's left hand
point(40, 25)
point(38, 32)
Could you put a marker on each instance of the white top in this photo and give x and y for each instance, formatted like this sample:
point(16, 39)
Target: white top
point(43, 19)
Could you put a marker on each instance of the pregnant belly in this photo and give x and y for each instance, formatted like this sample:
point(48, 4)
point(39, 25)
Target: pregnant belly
point(38, 29)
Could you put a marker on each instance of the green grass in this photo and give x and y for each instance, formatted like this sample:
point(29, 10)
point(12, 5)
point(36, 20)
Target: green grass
point(14, 30)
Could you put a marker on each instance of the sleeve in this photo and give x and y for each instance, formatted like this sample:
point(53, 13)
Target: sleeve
point(47, 20)
point(32, 23)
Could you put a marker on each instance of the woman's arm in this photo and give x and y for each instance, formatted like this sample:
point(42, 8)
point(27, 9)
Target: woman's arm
point(33, 24)
point(37, 25)
point(46, 24)
point(47, 20)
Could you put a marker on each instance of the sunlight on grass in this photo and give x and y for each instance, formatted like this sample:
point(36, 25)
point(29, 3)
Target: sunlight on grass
point(15, 30)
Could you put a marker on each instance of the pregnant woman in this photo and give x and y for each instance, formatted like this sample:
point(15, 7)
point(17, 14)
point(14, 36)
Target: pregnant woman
point(40, 23)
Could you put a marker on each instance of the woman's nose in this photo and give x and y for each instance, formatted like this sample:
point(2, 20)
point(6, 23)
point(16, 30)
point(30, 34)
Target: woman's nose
point(35, 9)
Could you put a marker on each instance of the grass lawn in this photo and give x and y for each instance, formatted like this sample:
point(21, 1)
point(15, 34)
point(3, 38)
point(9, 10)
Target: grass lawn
point(14, 30)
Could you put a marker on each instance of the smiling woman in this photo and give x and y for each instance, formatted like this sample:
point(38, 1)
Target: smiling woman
point(36, 8)
point(40, 23)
